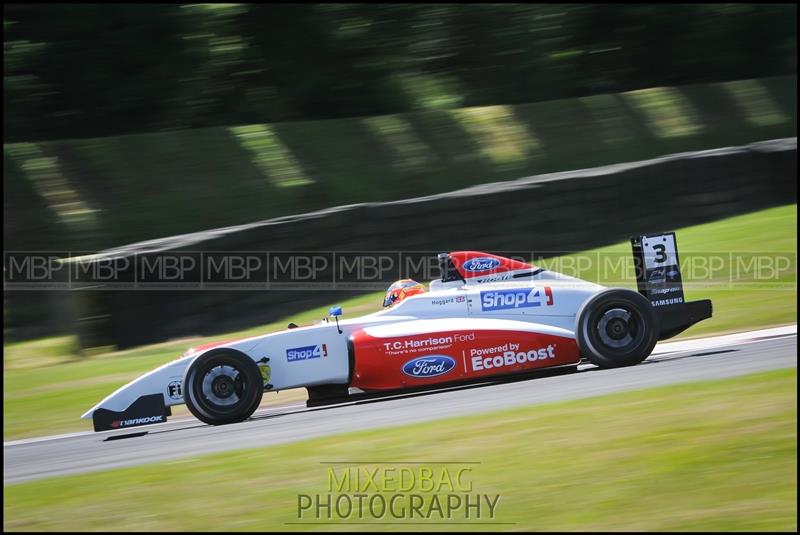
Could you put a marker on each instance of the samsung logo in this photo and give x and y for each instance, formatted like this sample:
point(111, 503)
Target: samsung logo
point(430, 366)
point(481, 264)
point(664, 302)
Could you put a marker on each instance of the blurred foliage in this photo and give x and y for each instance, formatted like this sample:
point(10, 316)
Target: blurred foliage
point(126, 122)
point(93, 70)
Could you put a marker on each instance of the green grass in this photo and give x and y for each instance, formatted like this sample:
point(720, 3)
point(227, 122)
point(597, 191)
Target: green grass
point(251, 172)
point(63, 386)
point(740, 300)
point(45, 378)
point(708, 456)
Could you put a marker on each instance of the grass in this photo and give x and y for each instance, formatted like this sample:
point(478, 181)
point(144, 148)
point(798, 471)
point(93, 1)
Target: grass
point(243, 173)
point(716, 263)
point(45, 378)
point(63, 386)
point(708, 456)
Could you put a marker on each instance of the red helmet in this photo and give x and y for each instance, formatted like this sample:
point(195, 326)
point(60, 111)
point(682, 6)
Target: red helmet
point(402, 289)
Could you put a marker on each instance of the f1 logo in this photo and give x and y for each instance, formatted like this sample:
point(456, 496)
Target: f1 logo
point(174, 390)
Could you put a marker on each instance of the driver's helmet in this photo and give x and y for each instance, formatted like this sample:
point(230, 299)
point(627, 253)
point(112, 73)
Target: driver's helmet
point(402, 289)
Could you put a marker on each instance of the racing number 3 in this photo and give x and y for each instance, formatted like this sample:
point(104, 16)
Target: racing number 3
point(661, 253)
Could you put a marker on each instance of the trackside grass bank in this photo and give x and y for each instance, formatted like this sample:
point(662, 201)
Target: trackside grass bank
point(747, 265)
point(717, 455)
point(46, 387)
point(246, 173)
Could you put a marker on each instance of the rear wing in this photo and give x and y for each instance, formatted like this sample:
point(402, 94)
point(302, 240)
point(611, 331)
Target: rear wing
point(658, 278)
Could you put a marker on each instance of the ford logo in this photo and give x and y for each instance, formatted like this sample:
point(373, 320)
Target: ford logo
point(481, 264)
point(430, 366)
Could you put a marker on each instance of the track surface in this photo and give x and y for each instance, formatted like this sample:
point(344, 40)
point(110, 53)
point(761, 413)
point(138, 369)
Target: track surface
point(676, 362)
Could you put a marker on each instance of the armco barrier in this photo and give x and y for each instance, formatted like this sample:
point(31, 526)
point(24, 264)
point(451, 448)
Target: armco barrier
point(567, 211)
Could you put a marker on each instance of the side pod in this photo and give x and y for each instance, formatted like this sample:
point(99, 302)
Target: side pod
point(658, 278)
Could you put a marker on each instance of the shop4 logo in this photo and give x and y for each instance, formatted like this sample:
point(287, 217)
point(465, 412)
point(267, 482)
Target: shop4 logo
point(307, 352)
point(516, 298)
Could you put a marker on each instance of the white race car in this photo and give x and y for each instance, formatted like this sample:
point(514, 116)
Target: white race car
point(487, 316)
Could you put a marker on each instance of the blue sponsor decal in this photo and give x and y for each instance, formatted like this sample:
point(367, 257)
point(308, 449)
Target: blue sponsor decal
point(483, 263)
point(429, 366)
point(513, 299)
point(306, 353)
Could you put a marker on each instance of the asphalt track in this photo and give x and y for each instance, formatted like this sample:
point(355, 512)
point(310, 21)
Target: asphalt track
point(676, 362)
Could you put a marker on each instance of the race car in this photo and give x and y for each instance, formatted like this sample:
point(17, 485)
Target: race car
point(486, 316)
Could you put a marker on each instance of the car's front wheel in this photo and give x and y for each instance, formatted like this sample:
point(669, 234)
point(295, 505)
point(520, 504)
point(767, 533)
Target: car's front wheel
point(616, 327)
point(222, 386)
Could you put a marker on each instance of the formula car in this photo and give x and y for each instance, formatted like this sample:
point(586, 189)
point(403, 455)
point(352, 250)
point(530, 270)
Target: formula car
point(486, 316)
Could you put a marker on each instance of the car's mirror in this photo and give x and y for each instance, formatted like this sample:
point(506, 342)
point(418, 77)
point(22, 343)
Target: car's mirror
point(335, 311)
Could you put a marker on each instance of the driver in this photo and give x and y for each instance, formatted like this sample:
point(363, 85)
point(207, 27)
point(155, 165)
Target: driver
point(402, 289)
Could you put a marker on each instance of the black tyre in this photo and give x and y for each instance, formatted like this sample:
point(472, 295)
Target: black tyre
point(222, 386)
point(616, 328)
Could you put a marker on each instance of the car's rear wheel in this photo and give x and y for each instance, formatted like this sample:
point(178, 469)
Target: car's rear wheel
point(616, 327)
point(223, 386)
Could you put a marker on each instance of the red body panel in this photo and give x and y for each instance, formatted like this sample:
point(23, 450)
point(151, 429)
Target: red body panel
point(447, 356)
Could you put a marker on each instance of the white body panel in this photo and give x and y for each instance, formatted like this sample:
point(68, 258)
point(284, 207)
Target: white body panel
point(448, 304)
